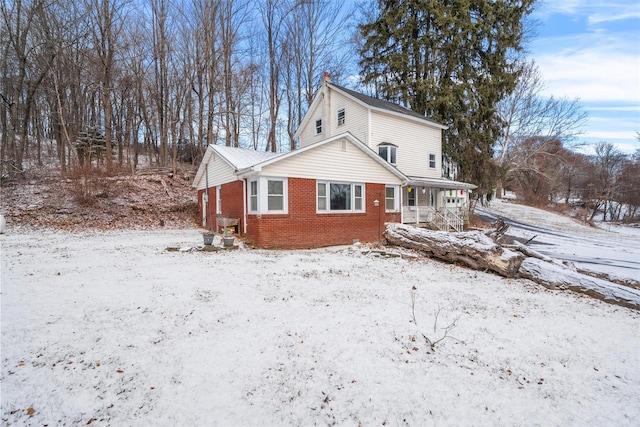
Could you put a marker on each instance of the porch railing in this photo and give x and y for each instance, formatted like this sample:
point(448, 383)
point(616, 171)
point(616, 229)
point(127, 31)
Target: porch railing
point(444, 218)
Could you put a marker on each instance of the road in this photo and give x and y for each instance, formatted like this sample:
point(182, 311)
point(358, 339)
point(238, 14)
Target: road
point(594, 249)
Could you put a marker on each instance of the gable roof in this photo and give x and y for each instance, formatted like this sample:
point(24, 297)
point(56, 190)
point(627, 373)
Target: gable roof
point(251, 169)
point(237, 158)
point(242, 158)
point(384, 105)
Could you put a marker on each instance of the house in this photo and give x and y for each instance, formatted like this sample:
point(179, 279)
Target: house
point(362, 162)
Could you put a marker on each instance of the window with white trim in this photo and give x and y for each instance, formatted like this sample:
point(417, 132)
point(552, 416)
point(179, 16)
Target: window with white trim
point(392, 201)
point(388, 152)
point(340, 197)
point(275, 195)
point(268, 195)
point(432, 160)
point(318, 126)
point(253, 196)
point(218, 200)
point(341, 116)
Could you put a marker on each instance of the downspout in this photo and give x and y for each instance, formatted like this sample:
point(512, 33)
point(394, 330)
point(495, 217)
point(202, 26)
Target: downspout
point(244, 207)
point(369, 127)
point(206, 177)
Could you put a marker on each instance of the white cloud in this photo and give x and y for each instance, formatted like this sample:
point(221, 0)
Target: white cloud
point(601, 71)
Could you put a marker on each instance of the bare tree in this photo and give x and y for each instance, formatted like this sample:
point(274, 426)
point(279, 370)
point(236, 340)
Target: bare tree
point(27, 58)
point(527, 116)
point(602, 188)
point(107, 20)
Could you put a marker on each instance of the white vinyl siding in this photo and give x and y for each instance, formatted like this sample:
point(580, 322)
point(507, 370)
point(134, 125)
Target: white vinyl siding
point(415, 140)
point(356, 120)
point(219, 172)
point(333, 163)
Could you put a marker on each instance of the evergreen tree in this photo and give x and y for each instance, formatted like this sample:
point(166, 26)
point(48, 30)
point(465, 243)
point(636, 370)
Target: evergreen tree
point(452, 60)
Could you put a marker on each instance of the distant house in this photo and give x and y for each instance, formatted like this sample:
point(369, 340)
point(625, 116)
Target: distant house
point(361, 162)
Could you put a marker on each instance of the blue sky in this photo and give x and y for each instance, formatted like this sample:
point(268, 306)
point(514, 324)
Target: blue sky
point(590, 49)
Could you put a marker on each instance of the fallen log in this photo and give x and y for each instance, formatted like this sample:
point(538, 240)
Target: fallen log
point(556, 276)
point(471, 248)
point(478, 251)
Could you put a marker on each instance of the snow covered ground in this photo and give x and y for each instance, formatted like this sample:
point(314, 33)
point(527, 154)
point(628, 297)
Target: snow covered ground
point(613, 250)
point(110, 328)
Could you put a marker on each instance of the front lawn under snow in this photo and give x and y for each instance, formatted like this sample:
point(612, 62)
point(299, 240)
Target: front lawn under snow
point(113, 329)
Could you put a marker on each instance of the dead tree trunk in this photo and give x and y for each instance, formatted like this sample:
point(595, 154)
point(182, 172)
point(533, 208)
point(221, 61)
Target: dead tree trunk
point(477, 250)
point(472, 248)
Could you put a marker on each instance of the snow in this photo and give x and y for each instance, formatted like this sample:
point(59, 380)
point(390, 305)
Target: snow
point(614, 251)
point(111, 328)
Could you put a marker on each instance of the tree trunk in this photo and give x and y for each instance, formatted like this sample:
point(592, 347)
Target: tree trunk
point(473, 249)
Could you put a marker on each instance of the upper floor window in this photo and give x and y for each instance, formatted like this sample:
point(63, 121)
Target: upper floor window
point(318, 126)
point(432, 161)
point(338, 196)
point(388, 152)
point(341, 116)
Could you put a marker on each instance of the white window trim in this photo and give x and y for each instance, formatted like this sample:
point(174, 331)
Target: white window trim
point(353, 197)
point(389, 147)
point(263, 196)
point(396, 198)
point(257, 196)
point(435, 161)
point(218, 200)
point(318, 128)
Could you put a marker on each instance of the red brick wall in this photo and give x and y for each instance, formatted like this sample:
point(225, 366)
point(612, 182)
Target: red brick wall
point(232, 207)
point(212, 207)
point(231, 195)
point(303, 228)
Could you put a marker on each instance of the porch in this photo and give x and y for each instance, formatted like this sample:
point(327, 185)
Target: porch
point(428, 203)
point(445, 219)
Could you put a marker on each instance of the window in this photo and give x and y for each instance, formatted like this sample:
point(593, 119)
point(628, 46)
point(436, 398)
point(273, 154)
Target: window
point(388, 152)
point(253, 196)
point(432, 161)
point(357, 197)
point(275, 195)
point(335, 196)
point(341, 116)
point(318, 126)
point(391, 200)
point(218, 200)
point(267, 195)
point(322, 196)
